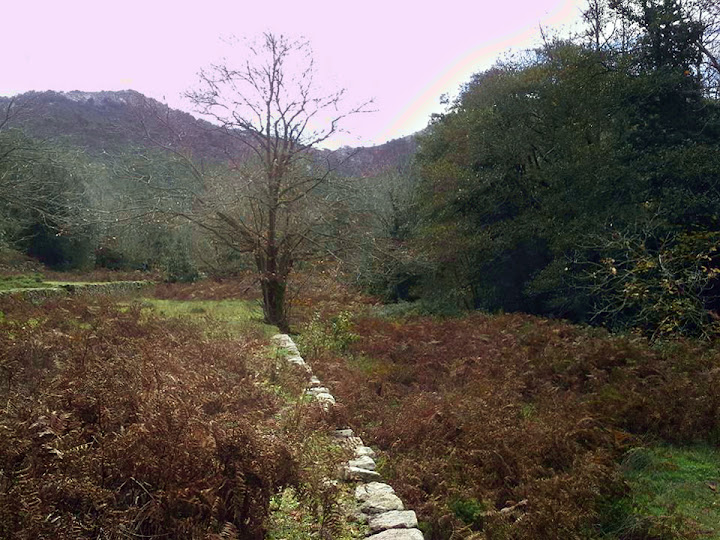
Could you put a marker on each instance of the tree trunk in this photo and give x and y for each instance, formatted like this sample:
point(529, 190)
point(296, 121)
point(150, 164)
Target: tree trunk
point(273, 289)
point(273, 269)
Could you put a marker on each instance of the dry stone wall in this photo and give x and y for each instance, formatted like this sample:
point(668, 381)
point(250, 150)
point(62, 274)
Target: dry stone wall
point(377, 503)
point(114, 287)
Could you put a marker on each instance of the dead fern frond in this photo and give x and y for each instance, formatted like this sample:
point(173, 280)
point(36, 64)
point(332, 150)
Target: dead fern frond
point(108, 426)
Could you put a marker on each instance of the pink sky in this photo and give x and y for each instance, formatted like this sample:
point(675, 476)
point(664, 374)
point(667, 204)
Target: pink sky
point(403, 54)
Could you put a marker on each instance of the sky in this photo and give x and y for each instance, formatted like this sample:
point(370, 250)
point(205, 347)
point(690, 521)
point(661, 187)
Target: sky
point(402, 54)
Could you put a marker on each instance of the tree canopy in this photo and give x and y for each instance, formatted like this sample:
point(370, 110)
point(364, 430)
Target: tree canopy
point(542, 165)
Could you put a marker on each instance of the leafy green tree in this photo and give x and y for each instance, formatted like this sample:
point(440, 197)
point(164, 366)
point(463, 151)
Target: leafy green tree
point(662, 284)
point(539, 158)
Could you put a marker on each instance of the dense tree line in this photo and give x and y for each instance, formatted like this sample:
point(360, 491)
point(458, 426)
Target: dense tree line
point(581, 180)
point(72, 211)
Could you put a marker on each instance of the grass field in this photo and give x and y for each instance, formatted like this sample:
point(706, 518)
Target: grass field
point(26, 281)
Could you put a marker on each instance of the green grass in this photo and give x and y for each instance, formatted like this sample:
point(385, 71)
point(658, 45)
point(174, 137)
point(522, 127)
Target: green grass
point(290, 520)
point(234, 316)
point(27, 281)
point(675, 489)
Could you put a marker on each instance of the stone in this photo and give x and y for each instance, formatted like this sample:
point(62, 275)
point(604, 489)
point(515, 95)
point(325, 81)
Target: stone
point(364, 491)
point(364, 462)
point(351, 443)
point(285, 342)
point(282, 340)
point(380, 503)
point(395, 519)
point(358, 474)
point(314, 381)
point(357, 516)
point(343, 433)
point(317, 390)
point(325, 398)
point(299, 362)
point(398, 534)
point(361, 451)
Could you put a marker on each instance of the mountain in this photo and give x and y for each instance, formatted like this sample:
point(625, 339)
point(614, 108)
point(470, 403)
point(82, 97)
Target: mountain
point(112, 122)
point(372, 160)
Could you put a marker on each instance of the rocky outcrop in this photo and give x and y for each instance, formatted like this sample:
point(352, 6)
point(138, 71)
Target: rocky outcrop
point(377, 503)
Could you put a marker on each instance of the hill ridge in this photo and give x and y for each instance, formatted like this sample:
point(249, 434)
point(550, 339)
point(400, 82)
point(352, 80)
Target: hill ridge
point(108, 121)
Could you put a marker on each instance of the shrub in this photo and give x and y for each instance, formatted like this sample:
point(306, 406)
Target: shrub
point(331, 335)
point(210, 289)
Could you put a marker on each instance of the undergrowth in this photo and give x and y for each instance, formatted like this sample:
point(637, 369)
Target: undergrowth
point(167, 417)
point(100, 275)
point(119, 424)
point(289, 519)
point(158, 418)
point(242, 288)
point(315, 506)
point(514, 427)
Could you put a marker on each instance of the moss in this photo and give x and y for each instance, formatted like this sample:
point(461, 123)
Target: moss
point(32, 289)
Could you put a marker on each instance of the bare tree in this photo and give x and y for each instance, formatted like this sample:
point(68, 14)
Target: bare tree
point(272, 201)
point(706, 13)
point(14, 109)
point(614, 23)
point(40, 183)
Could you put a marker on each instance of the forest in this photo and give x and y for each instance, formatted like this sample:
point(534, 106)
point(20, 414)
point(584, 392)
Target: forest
point(518, 306)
